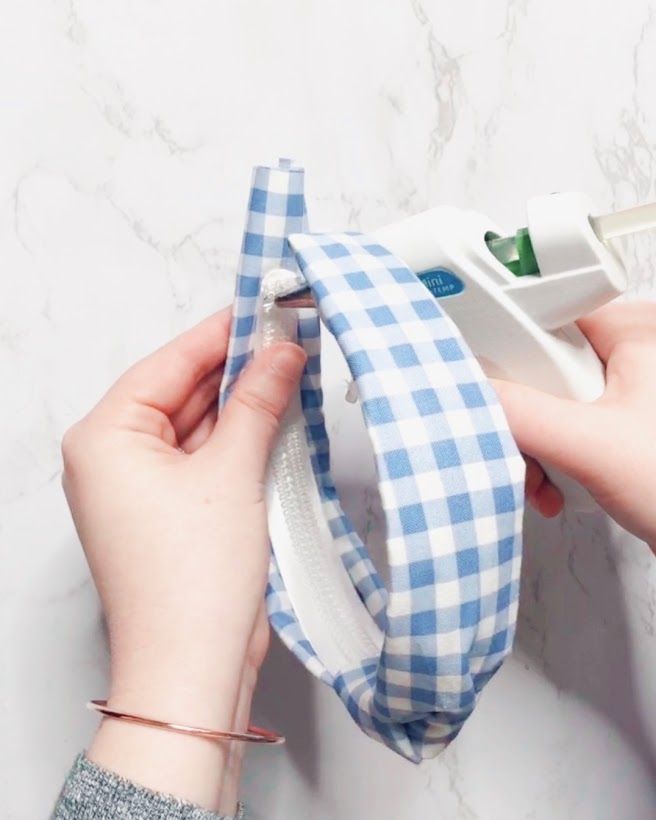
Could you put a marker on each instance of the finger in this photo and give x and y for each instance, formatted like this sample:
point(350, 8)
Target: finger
point(603, 328)
point(534, 477)
point(567, 434)
point(548, 500)
point(166, 379)
point(205, 394)
point(203, 430)
point(249, 423)
point(615, 323)
point(540, 492)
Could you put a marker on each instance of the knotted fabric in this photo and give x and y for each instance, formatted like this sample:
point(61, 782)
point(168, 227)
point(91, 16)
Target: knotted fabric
point(450, 476)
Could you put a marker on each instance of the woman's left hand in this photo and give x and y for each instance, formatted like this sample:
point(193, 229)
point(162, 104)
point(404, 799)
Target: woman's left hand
point(169, 507)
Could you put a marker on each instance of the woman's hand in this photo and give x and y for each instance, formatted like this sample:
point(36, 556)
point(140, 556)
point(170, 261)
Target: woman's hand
point(169, 506)
point(609, 446)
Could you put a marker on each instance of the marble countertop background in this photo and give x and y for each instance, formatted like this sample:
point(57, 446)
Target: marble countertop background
point(128, 133)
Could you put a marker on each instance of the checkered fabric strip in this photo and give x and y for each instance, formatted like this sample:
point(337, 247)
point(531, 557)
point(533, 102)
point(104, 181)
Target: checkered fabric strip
point(451, 482)
point(276, 208)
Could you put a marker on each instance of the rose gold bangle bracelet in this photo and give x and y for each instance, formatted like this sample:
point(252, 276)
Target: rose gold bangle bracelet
point(254, 734)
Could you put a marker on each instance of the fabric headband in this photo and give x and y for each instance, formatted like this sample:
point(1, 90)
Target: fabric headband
point(409, 661)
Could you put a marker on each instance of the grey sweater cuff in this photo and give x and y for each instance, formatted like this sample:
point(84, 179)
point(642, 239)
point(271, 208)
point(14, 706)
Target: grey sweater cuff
point(93, 793)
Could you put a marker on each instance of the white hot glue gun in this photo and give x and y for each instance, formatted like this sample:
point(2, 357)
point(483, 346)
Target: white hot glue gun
point(516, 298)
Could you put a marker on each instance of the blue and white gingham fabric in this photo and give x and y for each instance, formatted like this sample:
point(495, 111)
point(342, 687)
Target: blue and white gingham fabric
point(450, 476)
point(276, 209)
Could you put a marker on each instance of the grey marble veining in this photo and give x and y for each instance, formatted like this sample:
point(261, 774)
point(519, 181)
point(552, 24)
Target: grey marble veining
point(128, 133)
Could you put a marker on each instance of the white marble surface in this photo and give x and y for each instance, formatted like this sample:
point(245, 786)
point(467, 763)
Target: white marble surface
point(128, 132)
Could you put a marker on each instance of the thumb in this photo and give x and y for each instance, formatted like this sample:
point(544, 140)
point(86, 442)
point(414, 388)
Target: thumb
point(570, 435)
point(251, 418)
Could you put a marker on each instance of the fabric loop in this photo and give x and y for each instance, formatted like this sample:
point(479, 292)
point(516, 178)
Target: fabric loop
point(450, 480)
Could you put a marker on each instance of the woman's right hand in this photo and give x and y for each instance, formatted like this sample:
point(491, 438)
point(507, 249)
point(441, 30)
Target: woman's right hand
point(608, 446)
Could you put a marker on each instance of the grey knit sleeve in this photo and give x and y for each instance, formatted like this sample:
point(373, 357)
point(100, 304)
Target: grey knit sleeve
point(93, 793)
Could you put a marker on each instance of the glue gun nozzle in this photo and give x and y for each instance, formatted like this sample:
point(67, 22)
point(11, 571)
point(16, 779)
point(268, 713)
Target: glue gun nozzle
point(621, 223)
point(301, 298)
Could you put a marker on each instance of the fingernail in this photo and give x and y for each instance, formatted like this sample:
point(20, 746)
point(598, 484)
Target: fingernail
point(288, 359)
